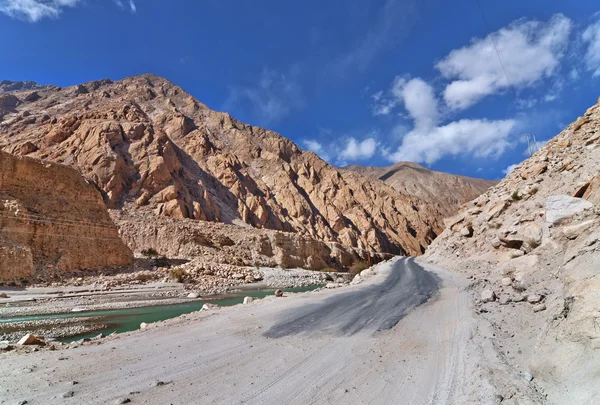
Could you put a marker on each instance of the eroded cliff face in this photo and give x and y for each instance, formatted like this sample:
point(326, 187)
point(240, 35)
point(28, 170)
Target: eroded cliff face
point(50, 216)
point(152, 149)
point(532, 246)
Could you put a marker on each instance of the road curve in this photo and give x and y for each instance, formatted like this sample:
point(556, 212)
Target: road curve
point(322, 349)
point(373, 308)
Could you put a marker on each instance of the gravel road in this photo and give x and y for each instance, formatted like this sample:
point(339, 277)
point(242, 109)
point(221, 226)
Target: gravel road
point(370, 343)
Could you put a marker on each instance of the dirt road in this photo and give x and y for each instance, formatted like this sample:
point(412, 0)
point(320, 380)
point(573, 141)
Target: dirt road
point(364, 344)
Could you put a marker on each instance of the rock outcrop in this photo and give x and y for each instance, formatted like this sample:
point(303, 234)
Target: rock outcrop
point(154, 150)
point(50, 216)
point(446, 191)
point(536, 239)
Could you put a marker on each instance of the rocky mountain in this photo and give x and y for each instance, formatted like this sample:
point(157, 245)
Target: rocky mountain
point(52, 218)
point(447, 191)
point(154, 150)
point(8, 85)
point(531, 244)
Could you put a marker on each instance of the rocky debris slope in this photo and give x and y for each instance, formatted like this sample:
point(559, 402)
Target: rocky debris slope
point(215, 243)
point(532, 246)
point(50, 216)
point(153, 149)
point(447, 191)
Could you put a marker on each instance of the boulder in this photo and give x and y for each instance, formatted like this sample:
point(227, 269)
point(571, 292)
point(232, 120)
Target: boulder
point(534, 298)
point(4, 295)
point(487, 296)
point(193, 295)
point(278, 293)
point(466, 231)
point(30, 339)
point(560, 207)
point(539, 307)
point(248, 300)
point(143, 325)
point(208, 307)
point(506, 281)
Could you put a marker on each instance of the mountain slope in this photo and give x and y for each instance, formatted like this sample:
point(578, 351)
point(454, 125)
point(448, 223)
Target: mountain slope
point(152, 148)
point(532, 247)
point(448, 191)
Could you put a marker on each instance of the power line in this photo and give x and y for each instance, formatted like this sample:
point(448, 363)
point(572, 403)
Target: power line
point(493, 42)
point(14, 230)
point(40, 219)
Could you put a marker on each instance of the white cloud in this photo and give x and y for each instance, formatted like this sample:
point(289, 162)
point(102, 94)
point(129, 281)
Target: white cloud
point(510, 169)
point(591, 36)
point(132, 6)
point(416, 95)
point(419, 100)
point(316, 147)
point(273, 97)
point(358, 150)
point(481, 138)
point(34, 10)
point(530, 51)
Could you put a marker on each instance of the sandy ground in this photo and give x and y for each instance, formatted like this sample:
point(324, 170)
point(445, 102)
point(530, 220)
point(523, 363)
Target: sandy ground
point(223, 357)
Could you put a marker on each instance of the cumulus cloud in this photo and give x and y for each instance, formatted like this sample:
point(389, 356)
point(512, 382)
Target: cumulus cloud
point(417, 96)
point(316, 147)
point(591, 36)
point(272, 98)
point(481, 138)
point(530, 51)
point(358, 150)
point(510, 169)
point(427, 141)
point(34, 10)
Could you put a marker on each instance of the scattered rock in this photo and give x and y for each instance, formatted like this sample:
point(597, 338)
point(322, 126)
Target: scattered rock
point(506, 281)
point(278, 293)
point(143, 325)
point(248, 300)
point(5, 345)
point(487, 296)
point(534, 298)
point(238, 276)
point(208, 307)
point(193, 295)
point(122, 401)
point(68, 394)
point(4, 295)
point(539, 308)
point(30, 339)
point(528, 376)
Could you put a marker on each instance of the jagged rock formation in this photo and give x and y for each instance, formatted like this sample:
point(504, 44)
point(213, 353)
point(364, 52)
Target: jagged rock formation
point(446, 191)
point(534, 240)
point(153, 149)
point(50, 216)
point(214, 243)
point(9, 85)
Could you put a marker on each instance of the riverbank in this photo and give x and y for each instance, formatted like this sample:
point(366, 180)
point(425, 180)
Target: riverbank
point(68, 310)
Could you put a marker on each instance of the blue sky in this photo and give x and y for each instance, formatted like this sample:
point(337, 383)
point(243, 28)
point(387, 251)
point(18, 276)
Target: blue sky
point(369, 82)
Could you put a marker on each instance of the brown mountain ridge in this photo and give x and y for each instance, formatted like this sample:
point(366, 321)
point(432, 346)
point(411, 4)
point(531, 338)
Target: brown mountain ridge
point(154, 150)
